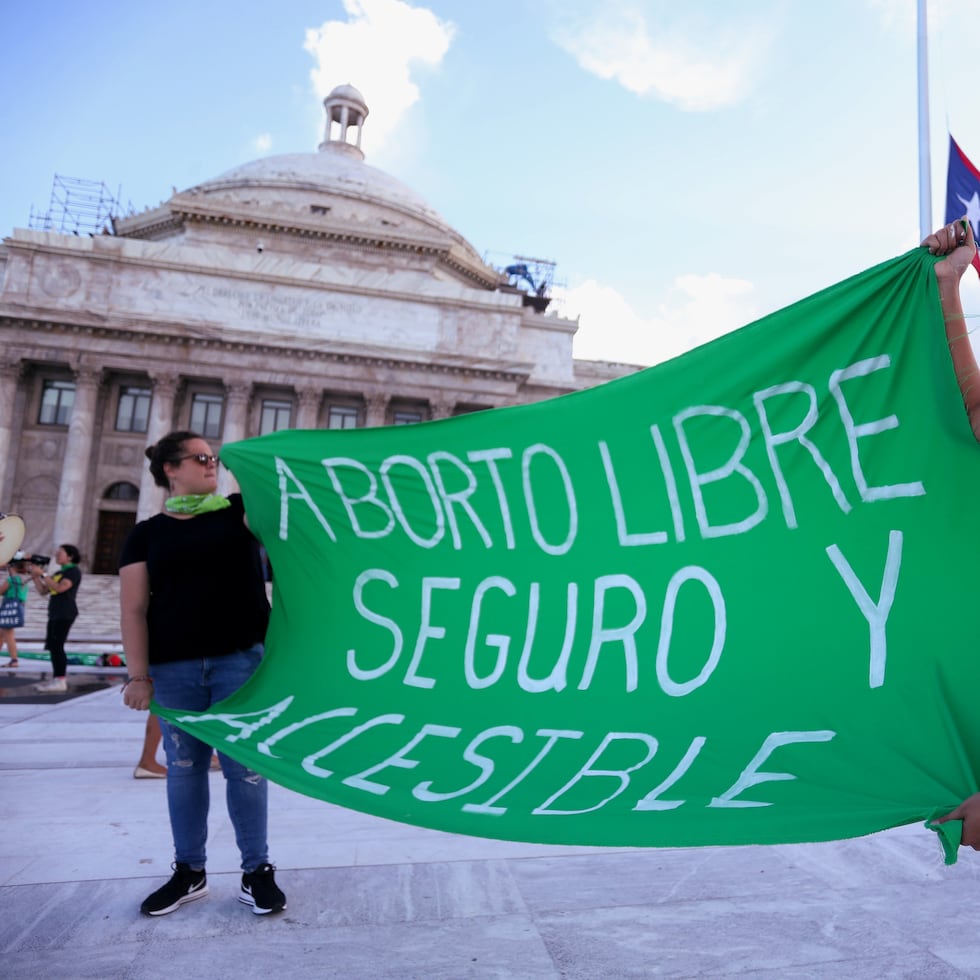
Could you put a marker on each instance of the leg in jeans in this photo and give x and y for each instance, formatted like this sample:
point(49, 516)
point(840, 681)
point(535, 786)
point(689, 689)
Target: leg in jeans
point(54, 643)
point(180, 685)
point(246, 792)
point(195, 685)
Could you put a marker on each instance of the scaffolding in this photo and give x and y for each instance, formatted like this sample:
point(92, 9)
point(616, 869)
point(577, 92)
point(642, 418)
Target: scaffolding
point(534, 278)
point(77, 207)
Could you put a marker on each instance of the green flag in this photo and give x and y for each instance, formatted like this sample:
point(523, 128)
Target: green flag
point(725, 600)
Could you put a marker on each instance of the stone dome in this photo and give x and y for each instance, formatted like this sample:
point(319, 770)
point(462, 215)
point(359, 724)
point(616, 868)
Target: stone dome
point(335, 175)
point(341, 183)
point(349, 94)
point(330, 195)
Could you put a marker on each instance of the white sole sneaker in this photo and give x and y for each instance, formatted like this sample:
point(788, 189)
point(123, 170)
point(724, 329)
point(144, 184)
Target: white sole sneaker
point(57, 685)
point(200, 890)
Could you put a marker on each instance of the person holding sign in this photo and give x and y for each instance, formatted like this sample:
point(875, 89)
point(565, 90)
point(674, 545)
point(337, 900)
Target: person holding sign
point(13, 591)
point(194, 615)
point(11, 538)
point(955, 241)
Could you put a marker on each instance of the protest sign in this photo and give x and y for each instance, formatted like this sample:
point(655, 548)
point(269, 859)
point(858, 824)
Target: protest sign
point(728, 599)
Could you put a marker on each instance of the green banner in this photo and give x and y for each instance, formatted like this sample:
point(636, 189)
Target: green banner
point(725, 600)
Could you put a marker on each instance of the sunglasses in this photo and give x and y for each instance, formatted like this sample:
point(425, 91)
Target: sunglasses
point(202, 458)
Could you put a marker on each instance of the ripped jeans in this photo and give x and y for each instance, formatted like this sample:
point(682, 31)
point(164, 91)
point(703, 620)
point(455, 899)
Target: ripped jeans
point(195, 685)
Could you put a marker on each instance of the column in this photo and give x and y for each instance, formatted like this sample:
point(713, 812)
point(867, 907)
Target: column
point(72, 493)
point(10, 375)
point(160, 423)
point(376, 405)
point(309, 408)
point(235, 427)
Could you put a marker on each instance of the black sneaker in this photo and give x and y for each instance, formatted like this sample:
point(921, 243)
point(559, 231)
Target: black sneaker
point(185, 885)
point(259, 889)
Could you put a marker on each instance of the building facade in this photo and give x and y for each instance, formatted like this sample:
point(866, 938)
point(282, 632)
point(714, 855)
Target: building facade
point(307, 290)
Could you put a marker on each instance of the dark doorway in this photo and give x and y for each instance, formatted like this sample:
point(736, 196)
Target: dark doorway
point(114, 525)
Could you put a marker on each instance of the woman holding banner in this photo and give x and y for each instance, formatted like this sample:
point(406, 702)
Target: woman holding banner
point(956, 242)
point(194, 614)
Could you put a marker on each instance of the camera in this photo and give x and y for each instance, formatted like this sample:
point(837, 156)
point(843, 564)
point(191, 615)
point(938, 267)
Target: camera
point(42, 561)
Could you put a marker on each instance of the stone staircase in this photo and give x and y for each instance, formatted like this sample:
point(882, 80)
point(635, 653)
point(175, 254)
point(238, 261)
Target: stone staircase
point(98, 615)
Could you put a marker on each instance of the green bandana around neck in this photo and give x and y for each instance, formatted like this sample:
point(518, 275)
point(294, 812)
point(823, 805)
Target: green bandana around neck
point(196, 503)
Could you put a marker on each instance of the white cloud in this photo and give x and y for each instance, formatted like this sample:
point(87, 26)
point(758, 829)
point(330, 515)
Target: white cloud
point(695, 65)
point(904, 15)
point(263, 142)
point(894, 12)
point(699, 308)
point(375, 50)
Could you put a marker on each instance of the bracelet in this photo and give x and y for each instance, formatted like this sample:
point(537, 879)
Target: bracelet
point(133, 680)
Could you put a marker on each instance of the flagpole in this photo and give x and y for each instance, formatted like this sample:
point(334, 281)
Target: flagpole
point(925, 176)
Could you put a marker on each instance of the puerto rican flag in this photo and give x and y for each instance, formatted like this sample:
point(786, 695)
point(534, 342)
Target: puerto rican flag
point(963, 193)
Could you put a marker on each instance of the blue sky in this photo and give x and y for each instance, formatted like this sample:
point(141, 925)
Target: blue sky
point(689, 167)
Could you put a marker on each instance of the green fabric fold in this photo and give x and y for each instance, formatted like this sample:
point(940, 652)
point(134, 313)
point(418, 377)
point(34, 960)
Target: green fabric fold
point(950, 836)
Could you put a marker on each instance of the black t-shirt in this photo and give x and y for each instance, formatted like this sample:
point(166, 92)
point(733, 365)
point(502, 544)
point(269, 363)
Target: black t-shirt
point(62, 605)
point(207, 596)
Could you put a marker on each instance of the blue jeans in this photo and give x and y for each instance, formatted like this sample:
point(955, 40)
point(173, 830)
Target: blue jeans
point(195, 685)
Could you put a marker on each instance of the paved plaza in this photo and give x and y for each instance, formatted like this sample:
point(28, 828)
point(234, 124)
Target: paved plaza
point(83, 843)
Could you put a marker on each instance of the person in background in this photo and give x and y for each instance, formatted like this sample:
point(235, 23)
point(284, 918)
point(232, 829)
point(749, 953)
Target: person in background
point(61, 591)
point(194, 614)
point(13, 588)
point(956, 242)
point(148, 767)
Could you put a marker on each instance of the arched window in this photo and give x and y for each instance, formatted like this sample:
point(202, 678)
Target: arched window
point(122, 491)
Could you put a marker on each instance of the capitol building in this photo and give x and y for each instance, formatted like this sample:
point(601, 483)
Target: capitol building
point(307, 290)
